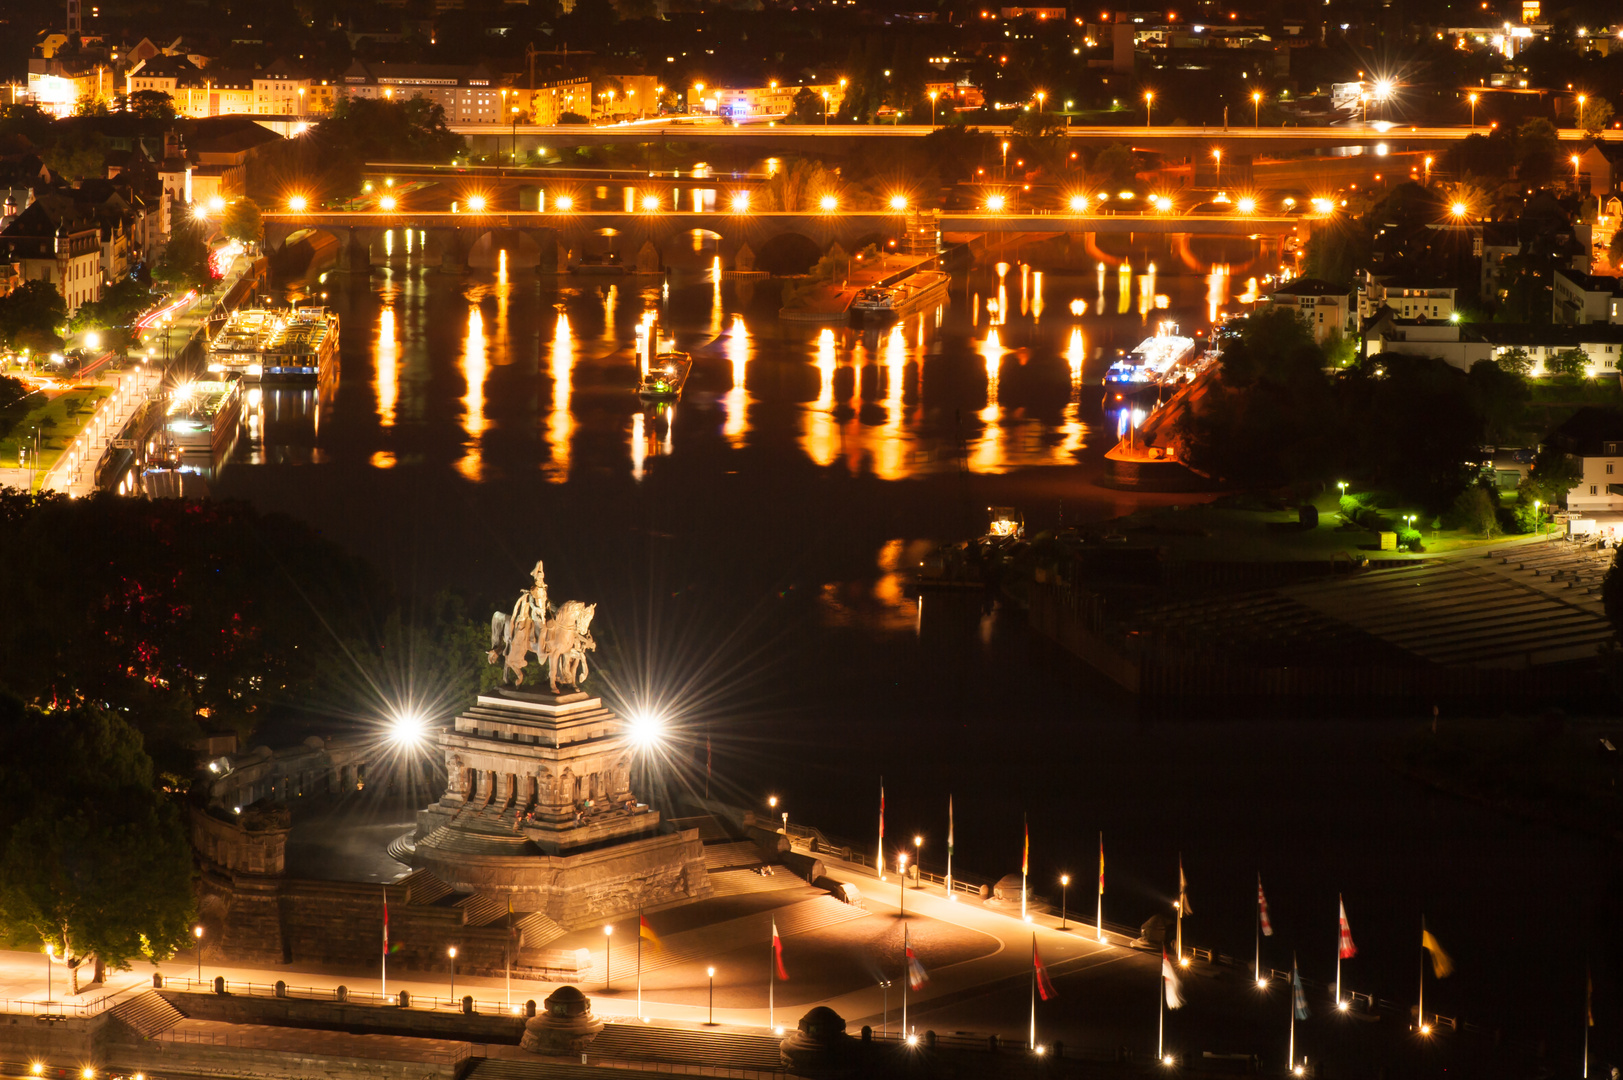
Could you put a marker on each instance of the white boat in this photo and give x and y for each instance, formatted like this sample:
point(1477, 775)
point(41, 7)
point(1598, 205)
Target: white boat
point(1158, 362)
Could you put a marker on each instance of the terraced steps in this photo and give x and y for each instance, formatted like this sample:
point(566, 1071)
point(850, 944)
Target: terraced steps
point(690, 946)
point(731, 856)
point(148, 1014)
point(735, 882)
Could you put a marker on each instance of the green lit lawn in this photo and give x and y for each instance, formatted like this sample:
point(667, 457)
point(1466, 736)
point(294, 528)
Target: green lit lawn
point(60, 419)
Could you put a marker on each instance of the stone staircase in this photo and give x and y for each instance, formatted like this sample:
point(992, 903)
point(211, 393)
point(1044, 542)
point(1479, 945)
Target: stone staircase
point(691, 946)
point(735, 882)
point(743, 853)
point(537, 931)
point(148, 1014)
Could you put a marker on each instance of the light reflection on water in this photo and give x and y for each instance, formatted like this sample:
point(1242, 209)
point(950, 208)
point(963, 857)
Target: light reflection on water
point(1013, 385)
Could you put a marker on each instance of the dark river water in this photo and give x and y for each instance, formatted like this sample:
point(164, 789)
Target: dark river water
point(747, 546)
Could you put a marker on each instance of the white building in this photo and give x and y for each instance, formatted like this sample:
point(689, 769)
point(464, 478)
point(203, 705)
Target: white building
point(1595, 437)
point(467, 92)
point(1407, 300)
point(1463, 344)
point(1326, 307)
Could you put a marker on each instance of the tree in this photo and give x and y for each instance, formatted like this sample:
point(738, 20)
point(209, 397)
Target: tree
point(79, 156)
point(807, 108)
point(185, 262)
point(1500, 397)
point(31, 314)
point(151, 105)
point(1517, 361)
point(95, 860)
point(797, 185)
point(1597, 115)
point(11, 391)
point(1553, 475)
point(1117, 165)
point(1476, 511)
point(120, 303)
point(1611, 593)
point(243, 221)
point(1568, 363)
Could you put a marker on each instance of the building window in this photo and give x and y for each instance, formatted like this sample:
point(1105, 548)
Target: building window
point(1592, 489)
point(1608, 468)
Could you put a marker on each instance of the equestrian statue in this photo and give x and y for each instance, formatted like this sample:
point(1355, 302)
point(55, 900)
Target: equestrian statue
point(559, 642)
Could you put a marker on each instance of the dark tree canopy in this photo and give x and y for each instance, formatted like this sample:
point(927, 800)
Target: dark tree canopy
point(31, 315)
point(94, 858)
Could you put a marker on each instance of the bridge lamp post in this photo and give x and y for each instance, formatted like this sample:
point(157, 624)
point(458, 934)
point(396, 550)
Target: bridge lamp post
point(297, 204)
point(608, 941)
point(898, 203)
point(1247, 205)
point(995, 203)
point(828, 204)
point(1149, 103)
point(741, 202)
point(563, 204)
point(932, 108)
point(1256, 109)
point(197, 932)
point(1581, 99)
point(825, 108)
point(1218, 154)
point(451, 952)
point(387, 203)
point(1079, 204)
point(650, 204)
point(1472, 99)
point(476, 203)
point(1042, 96)
point(710, 973)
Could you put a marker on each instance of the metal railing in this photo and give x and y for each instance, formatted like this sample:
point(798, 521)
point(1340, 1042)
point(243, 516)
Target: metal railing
point(344, 994)
point(66, 1010)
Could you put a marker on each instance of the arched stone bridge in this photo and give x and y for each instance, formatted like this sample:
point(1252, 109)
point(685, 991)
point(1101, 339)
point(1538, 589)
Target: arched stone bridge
point(453, 237)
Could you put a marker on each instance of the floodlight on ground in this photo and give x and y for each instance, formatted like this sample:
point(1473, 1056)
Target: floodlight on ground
point(1262, 984)
point(92, 340)
point(408, 729)
point(913, 1040)
point(37, 1068)
point(1298, 1071)
point(88, 1073)
point(1169, 1061)
point(1343, 1005)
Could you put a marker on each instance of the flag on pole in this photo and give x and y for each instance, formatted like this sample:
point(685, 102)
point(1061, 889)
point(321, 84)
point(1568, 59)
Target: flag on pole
point(1298, 997)
point(1025, 852)
point(1262, 910)
point(879, 863)
point(1183, 886)
point(1101, 864)
point(949, 827)
point(385, 920)
point(1348, 949)
point(1589, 995)
point(916, 975)
point(777, 951)
point(1045, 986)
point(1441, 965)
point(1170, 981)
point(646, 933)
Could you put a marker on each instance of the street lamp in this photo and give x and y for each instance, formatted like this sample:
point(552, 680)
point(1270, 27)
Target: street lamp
point(901, 884)
point(1472, 99)
point(1574, 160)
point(608, 941)
point(825, 108)
point(918, 863)
point(1218, 154)
point(932, 108)
point(1064, 890)
point(50, 958)
point(1581, 99)
point(711, 974)
point(1005, 159)
point(1256, 108)
point(1149, 103)
point(451, 952)
point(197, 932)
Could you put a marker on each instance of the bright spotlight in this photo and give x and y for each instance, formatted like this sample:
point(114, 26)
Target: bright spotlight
point(1246, 205)
point(564, 203)
point(1079, 204)
point(408, 729)
point(913, 1040)
point(741, 202)
point(1383, 89)
point(216, 204)
point(200, 212)
point(1168, 1060)
point(1162, 203)
point(1298, 1071)
point(898, 202)
point(995, 203)
point(37, 1068)
point(476, 203)
point(645, 729)
point(1458, 209)
point(1343, 1005)
point(829, 202)
point(92, 340)
point(650, 202)
point(1262, 984)
point(298, 204)
point(387, 202)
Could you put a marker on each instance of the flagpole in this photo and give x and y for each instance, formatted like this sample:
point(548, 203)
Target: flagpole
point(1099, 917)
point(1338, 961)
point(1589, 1012)
point(1032, 1043)
point(1420, 1009)
point(879, 857)
point(1256, 969)
point(949, 847)
point(1161, 1028)
point(907, 980)
point(1025, 860)
point(1291, 997)
point(383, 970)
point(639, 963)
point(772, 979)
point(1179, 907)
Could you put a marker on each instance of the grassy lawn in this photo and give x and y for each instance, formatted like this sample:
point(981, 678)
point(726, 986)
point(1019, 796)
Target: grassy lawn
point(60, 420)
point(1243, 530)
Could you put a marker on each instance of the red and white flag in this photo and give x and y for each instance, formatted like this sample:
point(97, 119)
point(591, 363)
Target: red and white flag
point(777, 951)
point(1171, 982)
point(1045, 985)
point(1262, 910)
point(1348, 949)
point(916, 975)
point(385, 920)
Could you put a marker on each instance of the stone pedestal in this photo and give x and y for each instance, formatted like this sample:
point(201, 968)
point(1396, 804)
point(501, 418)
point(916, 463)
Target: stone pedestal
point(539, 811)
point(564, 1025)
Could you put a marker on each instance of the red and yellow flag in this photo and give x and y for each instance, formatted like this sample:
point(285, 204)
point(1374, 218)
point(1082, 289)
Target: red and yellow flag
point(646, 933)
point(1025, 854)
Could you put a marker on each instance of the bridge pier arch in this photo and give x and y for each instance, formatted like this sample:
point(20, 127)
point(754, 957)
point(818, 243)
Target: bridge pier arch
point(356, 256)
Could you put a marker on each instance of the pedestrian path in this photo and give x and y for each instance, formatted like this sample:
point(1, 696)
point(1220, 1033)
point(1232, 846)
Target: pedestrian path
point(691, 946)
point(74, 473)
